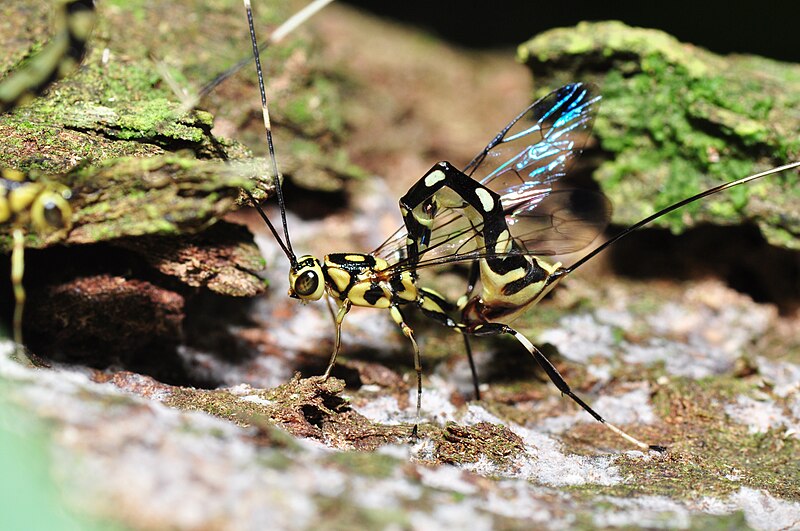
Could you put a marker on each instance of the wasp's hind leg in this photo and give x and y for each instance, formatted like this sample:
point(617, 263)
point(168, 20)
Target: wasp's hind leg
point(431, 304)
point(491, 329)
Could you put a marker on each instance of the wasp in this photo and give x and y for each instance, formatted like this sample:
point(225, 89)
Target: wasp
point(30, 206)
point(40, 206)
point(502, 214)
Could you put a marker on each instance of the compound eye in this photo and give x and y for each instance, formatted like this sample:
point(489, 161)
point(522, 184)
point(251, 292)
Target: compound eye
point(53, 215)
point(306, 283)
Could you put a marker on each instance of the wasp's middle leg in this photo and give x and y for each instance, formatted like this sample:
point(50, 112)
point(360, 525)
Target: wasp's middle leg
point(472, 280)
point(435, 306)
point(409, 333)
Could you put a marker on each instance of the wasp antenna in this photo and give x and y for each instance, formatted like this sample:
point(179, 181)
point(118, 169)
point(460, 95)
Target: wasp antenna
point(289, 254)
point(287, 247)
point(291, 24)
point(675, 206)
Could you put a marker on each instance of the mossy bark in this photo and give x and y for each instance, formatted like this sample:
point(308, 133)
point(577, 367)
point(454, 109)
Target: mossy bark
point(677, 119)
point(184, 462)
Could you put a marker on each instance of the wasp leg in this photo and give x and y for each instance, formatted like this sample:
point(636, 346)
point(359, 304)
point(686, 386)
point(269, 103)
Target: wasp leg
point(436, 307)
point(344, 307)
point(446, 187)
point(17, 272)
point(489, 329)
point(409, 333)
point(474, 272)
point(471, 360)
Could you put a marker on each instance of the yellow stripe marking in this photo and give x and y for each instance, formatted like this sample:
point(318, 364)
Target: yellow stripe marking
point(5, 210)
point(12, 175)
point(23, 196)
point(339, 277)
point(396, 315)
point(431, 305)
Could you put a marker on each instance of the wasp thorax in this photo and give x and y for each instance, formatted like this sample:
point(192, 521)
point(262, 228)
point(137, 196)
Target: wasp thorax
point(306, 280)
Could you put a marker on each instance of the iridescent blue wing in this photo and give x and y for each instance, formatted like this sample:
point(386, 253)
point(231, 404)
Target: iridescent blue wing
point(521, 163)
point(537, 147)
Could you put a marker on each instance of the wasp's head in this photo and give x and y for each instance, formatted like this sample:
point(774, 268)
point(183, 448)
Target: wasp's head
point(50, 211)
point(306, 280)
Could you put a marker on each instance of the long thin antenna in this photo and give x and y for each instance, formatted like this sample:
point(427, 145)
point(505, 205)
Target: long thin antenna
point(272, 228)
point(679, 204)
point(268, 128)
point(291, 24)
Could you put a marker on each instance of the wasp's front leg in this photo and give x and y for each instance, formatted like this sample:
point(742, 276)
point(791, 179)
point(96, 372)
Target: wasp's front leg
point(17, 272)
point(344, 307)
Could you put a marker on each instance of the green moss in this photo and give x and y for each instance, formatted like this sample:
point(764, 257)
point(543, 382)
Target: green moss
point(341, 514)
point(119, 104)
point(218, 403)
point(677, 119)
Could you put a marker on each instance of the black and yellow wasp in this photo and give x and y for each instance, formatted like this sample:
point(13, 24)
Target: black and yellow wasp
point(40, 206)
point(502, 213)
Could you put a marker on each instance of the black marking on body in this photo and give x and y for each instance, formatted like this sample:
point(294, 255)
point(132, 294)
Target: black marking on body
point(441, 301)
point(341, 295)
point(534, 273)
point(507, 263)
point(308, 262)
point(373, 294)
point(396, 282)
point(351, 266)
point(496, 312)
